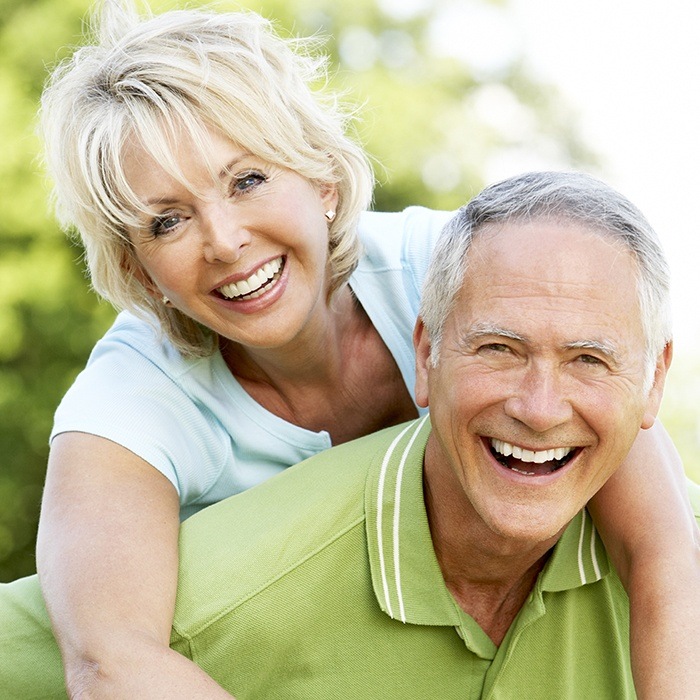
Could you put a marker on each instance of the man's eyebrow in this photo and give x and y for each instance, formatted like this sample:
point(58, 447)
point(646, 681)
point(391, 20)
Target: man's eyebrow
point(481, 330)
point(607, 349)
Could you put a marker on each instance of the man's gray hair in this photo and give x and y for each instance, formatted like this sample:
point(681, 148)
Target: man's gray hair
point(554, 196)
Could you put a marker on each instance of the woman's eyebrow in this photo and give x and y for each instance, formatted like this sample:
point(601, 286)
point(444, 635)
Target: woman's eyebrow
point(226, 170)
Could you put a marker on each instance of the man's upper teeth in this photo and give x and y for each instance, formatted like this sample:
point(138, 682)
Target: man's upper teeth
point(255, 281)
point(538, 457)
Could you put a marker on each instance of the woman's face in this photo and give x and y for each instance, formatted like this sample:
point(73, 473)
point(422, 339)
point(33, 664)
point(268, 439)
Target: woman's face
point(246, 253)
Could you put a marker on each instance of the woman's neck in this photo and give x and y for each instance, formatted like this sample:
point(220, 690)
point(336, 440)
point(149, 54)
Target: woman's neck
point(315, 357)
point(340, 377)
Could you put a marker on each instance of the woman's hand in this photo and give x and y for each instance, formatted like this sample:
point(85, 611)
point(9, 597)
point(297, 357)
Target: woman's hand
point(644, 516)
point(108, 560)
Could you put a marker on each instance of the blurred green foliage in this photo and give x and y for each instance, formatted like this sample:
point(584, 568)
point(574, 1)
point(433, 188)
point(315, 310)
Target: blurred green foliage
point(49, 319)
point(431, 122)
point(679, 411)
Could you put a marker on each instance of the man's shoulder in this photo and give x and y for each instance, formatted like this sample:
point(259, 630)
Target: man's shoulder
point(234, 549)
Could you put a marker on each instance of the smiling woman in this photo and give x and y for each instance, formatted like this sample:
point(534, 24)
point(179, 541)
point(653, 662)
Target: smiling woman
point(243, 253)
point(140, 106)
point(266, 316)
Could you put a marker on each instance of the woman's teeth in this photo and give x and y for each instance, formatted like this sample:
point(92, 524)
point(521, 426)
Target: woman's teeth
point(257, 284)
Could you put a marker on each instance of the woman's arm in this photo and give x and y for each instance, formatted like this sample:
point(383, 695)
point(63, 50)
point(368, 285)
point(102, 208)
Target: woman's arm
point(645, 519)
point(107, 558)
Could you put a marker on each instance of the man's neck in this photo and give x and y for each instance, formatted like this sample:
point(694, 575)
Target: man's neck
point(489, 576)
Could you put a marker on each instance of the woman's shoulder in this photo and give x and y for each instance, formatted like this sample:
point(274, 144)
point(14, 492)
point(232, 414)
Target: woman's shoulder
point(135, 348)
point(393, 238)
point(414, 220)
point(131, 334)
point(138, 391)
point(134, 366)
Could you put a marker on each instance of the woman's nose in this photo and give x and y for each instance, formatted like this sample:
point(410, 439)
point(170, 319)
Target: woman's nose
point(224, 234)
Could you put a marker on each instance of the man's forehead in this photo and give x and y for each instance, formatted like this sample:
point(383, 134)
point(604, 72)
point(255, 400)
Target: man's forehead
point(560, 249)
point(522, 276)
point(559, 229)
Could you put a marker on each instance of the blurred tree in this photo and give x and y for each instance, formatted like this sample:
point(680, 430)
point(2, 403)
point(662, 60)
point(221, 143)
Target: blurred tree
point(437, 125)
point(48, 317)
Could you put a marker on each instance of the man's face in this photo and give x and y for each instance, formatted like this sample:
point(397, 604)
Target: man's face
point(538, 393)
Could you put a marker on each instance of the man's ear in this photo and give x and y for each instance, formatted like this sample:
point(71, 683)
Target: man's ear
point(663, 362)
point(421, 345)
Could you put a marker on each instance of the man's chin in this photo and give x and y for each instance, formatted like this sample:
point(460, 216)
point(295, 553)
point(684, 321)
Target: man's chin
point(523, 527)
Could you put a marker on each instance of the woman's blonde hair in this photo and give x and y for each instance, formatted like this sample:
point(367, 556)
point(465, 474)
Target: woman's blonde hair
point(149, 77)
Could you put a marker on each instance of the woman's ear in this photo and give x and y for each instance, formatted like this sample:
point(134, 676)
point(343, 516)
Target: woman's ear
point(329, 197)
point(132, 267)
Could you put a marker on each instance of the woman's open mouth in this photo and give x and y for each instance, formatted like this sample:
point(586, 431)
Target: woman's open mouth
point(260, 282)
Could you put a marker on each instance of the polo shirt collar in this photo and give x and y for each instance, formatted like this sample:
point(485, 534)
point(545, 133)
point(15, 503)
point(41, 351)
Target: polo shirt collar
point(406, 576)
point(578, 558)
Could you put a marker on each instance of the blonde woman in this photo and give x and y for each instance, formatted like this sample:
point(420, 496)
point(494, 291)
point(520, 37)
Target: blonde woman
point(267, 316)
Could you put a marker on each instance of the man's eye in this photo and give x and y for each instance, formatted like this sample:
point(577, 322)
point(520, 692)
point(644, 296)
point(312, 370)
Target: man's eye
point(495, 348)
point(591, 361)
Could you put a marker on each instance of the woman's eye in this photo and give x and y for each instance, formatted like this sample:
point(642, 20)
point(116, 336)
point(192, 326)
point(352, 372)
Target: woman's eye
point(246, 182)
point(165, 223)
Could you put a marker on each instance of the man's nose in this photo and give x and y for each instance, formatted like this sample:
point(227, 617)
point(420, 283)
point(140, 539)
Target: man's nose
point(540, 401)
point(224, 234)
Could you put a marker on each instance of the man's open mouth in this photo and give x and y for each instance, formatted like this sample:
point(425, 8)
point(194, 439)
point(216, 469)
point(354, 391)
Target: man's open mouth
point(531, 462)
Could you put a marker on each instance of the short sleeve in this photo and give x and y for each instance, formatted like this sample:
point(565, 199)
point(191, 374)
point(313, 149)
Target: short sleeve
point(134, 392)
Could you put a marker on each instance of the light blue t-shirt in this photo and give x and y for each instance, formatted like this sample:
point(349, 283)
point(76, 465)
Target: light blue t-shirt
point(192, 420)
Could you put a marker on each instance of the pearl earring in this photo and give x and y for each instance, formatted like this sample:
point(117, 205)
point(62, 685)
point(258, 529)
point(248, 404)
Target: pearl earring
point(330, 215)
point(165, 300)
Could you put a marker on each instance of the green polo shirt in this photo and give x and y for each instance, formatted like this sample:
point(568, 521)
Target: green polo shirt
point(323, 583)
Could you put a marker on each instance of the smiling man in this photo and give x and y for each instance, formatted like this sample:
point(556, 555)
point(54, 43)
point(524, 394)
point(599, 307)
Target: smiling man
point(452, 557)
point(552, 357)
point(542, 377)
